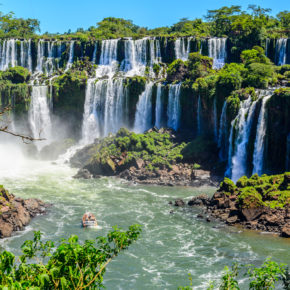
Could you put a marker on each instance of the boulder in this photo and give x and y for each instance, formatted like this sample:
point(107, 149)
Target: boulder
point(286, 231)
point(179, 202)
point(252, 213)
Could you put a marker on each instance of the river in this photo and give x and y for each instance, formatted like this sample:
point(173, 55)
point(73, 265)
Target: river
point(171, 245)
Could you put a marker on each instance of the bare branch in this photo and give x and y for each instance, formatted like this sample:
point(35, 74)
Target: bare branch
point(26, 139)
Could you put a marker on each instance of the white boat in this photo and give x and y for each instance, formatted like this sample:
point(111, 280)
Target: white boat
point(89, 220)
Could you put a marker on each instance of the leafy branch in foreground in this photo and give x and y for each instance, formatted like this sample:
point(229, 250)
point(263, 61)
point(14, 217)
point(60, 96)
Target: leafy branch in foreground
point(71, 265)
point(259, 278)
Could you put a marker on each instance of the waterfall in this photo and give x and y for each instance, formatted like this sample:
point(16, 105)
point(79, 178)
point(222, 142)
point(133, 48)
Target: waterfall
point(223, 133)
point(215, 119)
point(228, 172)
point(280, 53)
point(90, 128)
point(143, 118)
point(258, 156)
point(108, 60)
point(40, 56)
point(244, 124)
point(103, 108)
point(173, 108)
point(158, 107)
point(71, 56)
point(39, 115)
point(199, 109)
point(182, 50)
point(114, 99)
point(94, 58)
point(8, 54)
point(217, 50)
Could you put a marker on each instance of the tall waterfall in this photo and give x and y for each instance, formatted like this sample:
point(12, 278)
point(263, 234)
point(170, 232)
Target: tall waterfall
point(222, 138)
point(244, 123)
point(181, 48)
point(280, 53)
point(143, 118)
point(258, 158)
point(103, 109)
point(198, 115)
point(39, 115)
point(158, 107)
point(71, 56)
point(217, 50)
point(173, 108)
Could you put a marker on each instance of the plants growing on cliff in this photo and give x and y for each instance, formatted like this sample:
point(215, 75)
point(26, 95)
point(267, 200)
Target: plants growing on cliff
point(70, 265)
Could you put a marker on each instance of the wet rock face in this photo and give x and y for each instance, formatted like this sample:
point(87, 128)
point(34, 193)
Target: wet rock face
point(16, 213)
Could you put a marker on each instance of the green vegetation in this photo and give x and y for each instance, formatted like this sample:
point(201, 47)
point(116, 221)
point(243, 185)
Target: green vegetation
point(14, 89)
point(244, 28)
point(70, 265)
point(270, 191)
point(269, 276)
point(157, 150)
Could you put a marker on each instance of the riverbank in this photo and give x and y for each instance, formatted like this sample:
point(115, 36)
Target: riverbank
point(256, 203)
point(16, 213)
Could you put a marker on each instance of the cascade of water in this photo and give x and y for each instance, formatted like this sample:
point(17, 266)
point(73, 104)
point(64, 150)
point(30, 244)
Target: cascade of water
point(217, 50)
point(199, 109)
point(71, 56)
point(114, 99)
point(39, 115)
point(158, 108)
point(281, 51)
point(223, 132)
point(143, 117)
point(103, 109)
point(94, 58)
point(215, 119)
point(173, 108)
point(8, 54)
point(182, 52)
point(91, 118)
point(228, 172)
point(244, 125)
point(258, 157)
point(40, 55)
point(108, 60)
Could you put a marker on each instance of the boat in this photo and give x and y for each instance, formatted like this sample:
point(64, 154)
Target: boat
point(89, 220)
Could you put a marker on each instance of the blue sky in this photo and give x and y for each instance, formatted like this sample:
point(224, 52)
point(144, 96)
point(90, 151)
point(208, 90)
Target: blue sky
point(61, 15)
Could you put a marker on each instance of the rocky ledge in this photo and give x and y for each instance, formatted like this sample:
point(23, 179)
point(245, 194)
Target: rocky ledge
point(16, 213)
point(256, 203)
point(155, 157)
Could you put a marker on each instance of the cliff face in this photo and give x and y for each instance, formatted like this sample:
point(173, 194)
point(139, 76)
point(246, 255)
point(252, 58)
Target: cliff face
point(16, 213)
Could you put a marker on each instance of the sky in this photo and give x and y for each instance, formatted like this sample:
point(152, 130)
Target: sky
point(62, 15)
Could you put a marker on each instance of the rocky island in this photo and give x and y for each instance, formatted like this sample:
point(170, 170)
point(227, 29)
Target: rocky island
point(155, 157)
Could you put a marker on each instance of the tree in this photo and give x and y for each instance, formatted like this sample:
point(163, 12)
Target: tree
point(18, 27)
point(70, 265)
point(284, 18)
